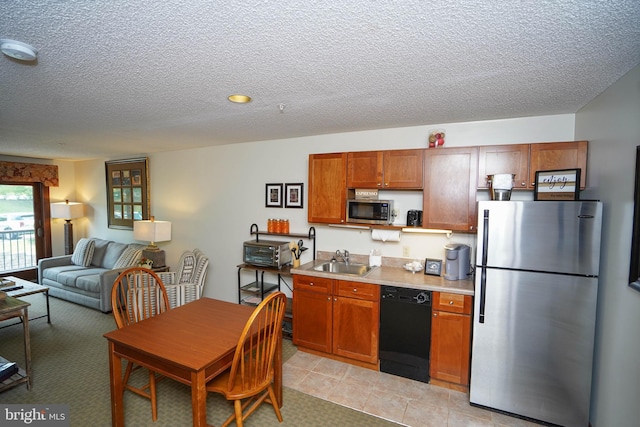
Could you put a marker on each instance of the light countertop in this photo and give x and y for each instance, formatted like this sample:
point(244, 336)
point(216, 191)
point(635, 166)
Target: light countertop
point(394, 276)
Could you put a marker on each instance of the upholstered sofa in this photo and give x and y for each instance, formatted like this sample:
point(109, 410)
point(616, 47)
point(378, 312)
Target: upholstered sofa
point(87, 276)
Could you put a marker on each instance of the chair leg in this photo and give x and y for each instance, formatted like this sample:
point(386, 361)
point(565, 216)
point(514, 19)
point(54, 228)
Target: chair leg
point(237, 404)
point(274, 403)
point(152, 395)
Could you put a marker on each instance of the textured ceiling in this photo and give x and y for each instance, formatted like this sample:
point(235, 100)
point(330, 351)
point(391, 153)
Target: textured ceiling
point(118, 77)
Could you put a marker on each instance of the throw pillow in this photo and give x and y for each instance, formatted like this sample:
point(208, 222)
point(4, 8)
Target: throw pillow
point(83, 252)
point(128, 258)
point(187, 267)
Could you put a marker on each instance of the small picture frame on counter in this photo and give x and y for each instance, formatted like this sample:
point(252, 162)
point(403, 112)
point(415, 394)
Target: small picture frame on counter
point(433, 267)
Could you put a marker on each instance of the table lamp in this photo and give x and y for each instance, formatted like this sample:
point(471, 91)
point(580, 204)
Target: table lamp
point(67, 210)
point(153, 231)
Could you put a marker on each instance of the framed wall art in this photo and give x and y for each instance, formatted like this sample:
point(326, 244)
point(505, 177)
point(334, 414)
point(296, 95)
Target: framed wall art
point(557, 185)
point(293, 194)
point(273, 195)
point(127, 192)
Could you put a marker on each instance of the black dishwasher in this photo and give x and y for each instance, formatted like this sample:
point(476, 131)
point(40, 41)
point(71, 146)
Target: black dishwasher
point(405, 332)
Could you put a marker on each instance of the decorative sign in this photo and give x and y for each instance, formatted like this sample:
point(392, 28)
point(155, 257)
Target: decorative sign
point(557, 185)
point(433, 267)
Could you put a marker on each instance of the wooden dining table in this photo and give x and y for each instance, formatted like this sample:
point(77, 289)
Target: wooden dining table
point(192, 344)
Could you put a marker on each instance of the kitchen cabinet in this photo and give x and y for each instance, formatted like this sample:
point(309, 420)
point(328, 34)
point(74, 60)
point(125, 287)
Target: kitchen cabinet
point(557, 156)
point(450, 188)
point(451, 340)
point(390, 169)
point(337, 317)
point(495, 159)
point(327, 188)
point(524, 160)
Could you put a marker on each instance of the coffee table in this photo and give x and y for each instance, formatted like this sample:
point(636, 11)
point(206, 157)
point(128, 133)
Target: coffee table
point(28, 288)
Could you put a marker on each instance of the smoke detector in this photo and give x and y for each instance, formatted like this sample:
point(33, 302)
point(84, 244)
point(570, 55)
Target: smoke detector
point(18, 50)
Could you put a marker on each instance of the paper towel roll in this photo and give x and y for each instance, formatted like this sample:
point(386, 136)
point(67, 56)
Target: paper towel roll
point(385, 235)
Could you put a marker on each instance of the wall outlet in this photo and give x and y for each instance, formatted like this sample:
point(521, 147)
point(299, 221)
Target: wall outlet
point(406, 251)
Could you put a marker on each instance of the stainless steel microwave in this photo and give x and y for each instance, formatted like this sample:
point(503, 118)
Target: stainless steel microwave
point(370, 211)
point(267, 253)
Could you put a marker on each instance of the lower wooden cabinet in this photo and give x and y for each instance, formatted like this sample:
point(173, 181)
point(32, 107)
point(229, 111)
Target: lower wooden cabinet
point(451, 339)
point(336, 317)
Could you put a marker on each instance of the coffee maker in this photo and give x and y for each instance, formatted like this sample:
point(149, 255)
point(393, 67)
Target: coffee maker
point(457, 265)
point(414, 218)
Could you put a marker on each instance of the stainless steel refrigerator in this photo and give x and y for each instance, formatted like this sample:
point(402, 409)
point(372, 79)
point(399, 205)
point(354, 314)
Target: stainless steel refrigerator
point(536, 287)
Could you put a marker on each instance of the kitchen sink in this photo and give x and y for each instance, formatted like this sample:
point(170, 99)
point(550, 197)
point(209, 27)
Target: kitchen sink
point(343, 268)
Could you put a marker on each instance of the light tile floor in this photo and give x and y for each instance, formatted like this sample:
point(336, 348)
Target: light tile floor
point(408, 402)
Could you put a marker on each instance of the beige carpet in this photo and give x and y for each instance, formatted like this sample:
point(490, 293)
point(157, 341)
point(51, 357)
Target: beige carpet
point(70, 366)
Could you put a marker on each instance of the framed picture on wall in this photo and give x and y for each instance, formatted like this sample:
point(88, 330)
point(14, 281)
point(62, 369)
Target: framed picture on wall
point(293, 195)
point(127, 192)
point(273, 195)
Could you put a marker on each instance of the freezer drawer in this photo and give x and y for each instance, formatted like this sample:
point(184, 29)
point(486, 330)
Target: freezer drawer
point(533, 354)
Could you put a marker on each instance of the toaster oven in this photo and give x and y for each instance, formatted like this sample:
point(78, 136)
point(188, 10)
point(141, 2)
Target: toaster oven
point(267, 253)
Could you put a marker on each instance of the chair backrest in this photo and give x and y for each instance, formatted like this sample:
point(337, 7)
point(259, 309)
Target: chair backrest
point(253, 359)
point(137, 294)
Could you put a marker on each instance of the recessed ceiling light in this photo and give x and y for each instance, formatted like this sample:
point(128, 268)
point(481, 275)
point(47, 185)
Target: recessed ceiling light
point(18, 50)
point(239, 99)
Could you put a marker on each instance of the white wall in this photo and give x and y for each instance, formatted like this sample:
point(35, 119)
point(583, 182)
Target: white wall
point(611, 123)
point(213, 195)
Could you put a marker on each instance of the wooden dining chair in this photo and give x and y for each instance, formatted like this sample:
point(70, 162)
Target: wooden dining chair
point(251, 374)
point(138, 294)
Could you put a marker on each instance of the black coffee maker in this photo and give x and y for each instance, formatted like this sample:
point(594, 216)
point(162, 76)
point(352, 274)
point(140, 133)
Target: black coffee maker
point(414, 218)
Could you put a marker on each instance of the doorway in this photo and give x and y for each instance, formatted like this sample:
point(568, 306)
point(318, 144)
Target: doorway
point(25, 233)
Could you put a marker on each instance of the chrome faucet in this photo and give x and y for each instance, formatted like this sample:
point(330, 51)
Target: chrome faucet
point(344, 255)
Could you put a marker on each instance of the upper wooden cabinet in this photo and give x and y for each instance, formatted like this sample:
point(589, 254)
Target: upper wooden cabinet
point(558, 156)
point(327, 188)
point(449, 197)
point(495, 159)
point(391, 169)
point(524, 160)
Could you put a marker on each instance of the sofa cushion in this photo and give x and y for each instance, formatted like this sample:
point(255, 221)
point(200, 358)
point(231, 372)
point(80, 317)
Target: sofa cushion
point(100, 248)
point(51, 273)
point(89, 282)
point(128, 258)
point(71, 277)
point(111, 255)
point(83, 252)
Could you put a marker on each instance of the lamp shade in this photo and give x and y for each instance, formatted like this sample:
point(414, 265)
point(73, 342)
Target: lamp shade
point(152, 231)
point(67, 210)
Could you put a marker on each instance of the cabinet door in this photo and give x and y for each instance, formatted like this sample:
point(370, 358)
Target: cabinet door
point(364, 169)
point(312, 320)
point(450, 347)
point(356, 328)
point(494, 159)
point(557, 156)
point(450, 188)
point(403, 169)
point(327, 188)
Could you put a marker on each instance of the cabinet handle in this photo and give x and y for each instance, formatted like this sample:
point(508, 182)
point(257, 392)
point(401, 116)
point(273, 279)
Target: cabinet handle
point(310, 283)
point(335, 299)
point(355, 289)
point(435, 314)
point(386, 184)
point(450, 302)
point(523, 184)
point(328, 298)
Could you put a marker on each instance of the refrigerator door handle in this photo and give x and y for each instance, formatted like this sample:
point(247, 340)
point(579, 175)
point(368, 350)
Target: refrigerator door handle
point(483, 273)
